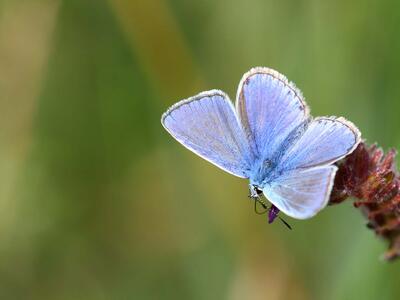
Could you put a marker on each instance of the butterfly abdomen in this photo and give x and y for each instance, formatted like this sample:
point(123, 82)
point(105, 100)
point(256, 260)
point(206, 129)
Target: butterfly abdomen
point(264, 171)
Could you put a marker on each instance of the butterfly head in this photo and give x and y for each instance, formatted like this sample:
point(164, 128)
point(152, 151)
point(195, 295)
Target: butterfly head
point(254, 191)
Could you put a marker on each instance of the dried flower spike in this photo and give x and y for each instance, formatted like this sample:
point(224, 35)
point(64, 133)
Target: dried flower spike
point(370, 176)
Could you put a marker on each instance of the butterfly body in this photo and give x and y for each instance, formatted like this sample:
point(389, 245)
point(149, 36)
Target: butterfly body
point(269, 138)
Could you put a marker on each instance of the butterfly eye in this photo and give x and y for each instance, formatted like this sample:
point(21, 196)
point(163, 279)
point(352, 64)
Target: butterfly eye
point(254, 191)
point(258, 190)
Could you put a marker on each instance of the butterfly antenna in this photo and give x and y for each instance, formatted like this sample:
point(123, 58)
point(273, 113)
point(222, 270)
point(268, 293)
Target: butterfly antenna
point(286, 223)
point(266, 208)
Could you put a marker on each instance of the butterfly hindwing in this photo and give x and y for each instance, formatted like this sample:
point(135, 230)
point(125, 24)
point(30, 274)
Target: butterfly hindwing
point(306, 179)
point(326, 140)
point(207, 125)
point(301, 193)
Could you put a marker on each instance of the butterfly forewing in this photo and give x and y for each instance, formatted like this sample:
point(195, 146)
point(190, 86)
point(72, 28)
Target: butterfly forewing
point(207, 125)
point(270, 109)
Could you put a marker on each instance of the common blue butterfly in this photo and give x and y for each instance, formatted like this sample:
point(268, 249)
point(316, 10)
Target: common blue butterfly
point(270, 138)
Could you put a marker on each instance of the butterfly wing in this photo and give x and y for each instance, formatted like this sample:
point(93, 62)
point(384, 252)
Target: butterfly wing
point(302, 194)
point(306, 179)
point(326, 140)
point(207, 125)
point(270, 108)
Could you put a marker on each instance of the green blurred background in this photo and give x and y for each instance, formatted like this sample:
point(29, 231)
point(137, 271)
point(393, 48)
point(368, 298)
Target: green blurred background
point(97, 201)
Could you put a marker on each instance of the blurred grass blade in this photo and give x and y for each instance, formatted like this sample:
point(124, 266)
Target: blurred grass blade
point(159, 43)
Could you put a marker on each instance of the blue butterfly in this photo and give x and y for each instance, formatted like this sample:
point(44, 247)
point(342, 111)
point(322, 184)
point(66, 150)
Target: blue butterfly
point(270, 138)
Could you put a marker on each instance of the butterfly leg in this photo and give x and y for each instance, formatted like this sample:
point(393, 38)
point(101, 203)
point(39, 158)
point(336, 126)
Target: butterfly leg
point(273, 211)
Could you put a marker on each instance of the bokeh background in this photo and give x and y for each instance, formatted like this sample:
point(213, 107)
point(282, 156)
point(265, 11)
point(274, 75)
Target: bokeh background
point(97, 201)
